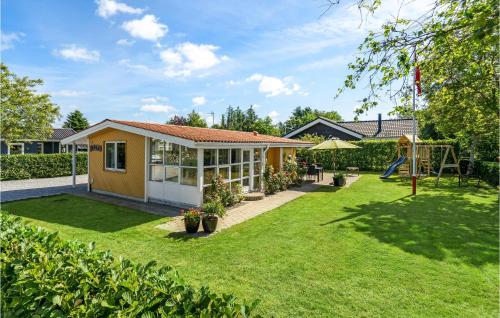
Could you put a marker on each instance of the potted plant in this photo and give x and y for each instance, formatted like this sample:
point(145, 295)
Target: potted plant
point(191, 220)
point(339, 179)
point(212, 210)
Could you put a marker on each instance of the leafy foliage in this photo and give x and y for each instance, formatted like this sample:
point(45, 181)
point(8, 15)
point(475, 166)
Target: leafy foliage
point(456, 44)
point(301, 116)
point(25, 113)
point(16, 167)
point(219, 191)
point(488, 171)
point(214, 207)
point(45, 276)
point(374, 155)
point(275, 181)
point(237, 119)
point(191, 215)
point(193, 119)
point(76, 120)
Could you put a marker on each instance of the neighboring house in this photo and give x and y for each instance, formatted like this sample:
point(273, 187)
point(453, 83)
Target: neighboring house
point(33, 146)
point(355, 130)
point(173, 164)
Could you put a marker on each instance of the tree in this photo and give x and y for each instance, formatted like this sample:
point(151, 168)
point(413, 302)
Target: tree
point(237, 119)
point(76, 120)
point(301, 116)
point(25, 114)
point(193, 119)
point(456, 46)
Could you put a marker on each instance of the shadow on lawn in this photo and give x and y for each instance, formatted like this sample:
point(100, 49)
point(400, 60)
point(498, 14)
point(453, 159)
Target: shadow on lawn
point(436, 226)
point(79, 212)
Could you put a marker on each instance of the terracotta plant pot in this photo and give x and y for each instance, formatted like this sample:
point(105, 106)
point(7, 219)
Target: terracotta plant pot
point(191, 226)
point(209, 223)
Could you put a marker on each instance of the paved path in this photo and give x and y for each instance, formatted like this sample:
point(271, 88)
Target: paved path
point(250, 209)
point(33, 188)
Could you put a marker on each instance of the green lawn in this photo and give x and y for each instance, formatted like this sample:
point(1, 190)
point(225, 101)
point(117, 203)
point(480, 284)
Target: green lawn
point(370, 250)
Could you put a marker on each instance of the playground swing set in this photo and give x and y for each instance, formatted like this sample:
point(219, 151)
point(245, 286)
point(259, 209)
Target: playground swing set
point(424, 154)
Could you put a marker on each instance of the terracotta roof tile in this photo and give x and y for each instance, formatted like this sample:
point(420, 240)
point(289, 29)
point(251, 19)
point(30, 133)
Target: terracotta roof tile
point(208, 134)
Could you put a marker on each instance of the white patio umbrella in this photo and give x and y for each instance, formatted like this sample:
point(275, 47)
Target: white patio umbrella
point(333, 144)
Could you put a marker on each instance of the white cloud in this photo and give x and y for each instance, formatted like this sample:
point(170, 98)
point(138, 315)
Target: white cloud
point(154, 99)
point(199, 100)
point(157, 108)
point(9, 39)
point(125, 42)
point(273, 86)
point(187, 58)
point(274, 115)
point(78, 54)
point(67, 93)
point(107, 8)
point(147, 28)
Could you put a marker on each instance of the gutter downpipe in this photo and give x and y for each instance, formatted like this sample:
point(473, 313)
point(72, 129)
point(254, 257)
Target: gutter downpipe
point(414, 146)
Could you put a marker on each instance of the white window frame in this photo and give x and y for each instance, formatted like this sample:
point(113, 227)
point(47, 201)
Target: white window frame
point(115, 157)
point(15, 144)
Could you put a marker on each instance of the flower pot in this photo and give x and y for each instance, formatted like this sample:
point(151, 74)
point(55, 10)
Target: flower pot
point(339, 182)
point(191, 225)
point(209, 223)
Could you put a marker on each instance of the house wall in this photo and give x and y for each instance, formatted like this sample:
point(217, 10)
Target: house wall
point(273, 158)
point(325, 131)
point(3, 148)
point(51, 147)
point(129, 183)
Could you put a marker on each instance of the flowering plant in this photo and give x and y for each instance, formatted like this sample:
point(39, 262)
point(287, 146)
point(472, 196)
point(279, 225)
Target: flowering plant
point(191, 215)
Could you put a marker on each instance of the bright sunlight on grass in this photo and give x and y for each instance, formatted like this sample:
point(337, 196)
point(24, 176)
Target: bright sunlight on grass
point(368, 250)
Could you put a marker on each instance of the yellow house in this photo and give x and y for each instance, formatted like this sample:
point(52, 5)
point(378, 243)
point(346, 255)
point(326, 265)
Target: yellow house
point(172, 164)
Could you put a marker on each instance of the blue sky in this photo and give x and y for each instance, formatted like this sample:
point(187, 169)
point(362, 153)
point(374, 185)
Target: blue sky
point(148, 60)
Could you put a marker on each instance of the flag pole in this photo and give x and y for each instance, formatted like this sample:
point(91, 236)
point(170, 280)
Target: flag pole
point(414, 146)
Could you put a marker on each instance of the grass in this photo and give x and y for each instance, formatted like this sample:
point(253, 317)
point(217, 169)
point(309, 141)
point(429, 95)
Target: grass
point(369, 250)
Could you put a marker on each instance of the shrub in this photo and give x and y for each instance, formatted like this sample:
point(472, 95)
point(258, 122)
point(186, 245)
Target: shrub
point(218, 190)
point(17, 167)
point(374, 155)
point(488, 171)
point(45, 276)
point(294, 172)
point(214, 207)
point(271, 182)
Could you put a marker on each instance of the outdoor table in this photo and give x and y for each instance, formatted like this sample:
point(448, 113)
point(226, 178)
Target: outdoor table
point(352, 169)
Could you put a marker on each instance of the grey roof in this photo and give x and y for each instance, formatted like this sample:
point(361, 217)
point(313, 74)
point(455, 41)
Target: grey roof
point(391, 128)
point(61, 133)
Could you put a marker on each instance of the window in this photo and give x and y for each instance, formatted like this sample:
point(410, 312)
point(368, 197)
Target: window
point(172, 174)
point(246, 170)
point(223, 156)
point(256, 168)
point(39, 147)
point(208, 175)
point(156, 173)
point(172, 154)
point(235, 156)
point(256, 154)
point(16, 149)
point(189, 157)
point(115, 155)
point(256, 183)
point(210, 157)
point(189, 176)
point(224, 172)
point(246, 155)
point(156, 151)
point(235, 172)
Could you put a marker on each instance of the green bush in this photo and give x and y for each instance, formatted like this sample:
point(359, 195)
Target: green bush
point(45, 276)
point(374, 155)
point(488, 171)
point(219, 191)
point(17, 167)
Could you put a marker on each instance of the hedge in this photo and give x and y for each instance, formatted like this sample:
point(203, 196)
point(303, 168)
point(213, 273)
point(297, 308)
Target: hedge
point(374, 155)
point(16, 167)
point(45, 276)
point(488, 171)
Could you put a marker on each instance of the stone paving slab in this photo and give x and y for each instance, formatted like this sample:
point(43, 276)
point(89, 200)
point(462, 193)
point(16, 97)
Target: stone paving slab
point(251, 209)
